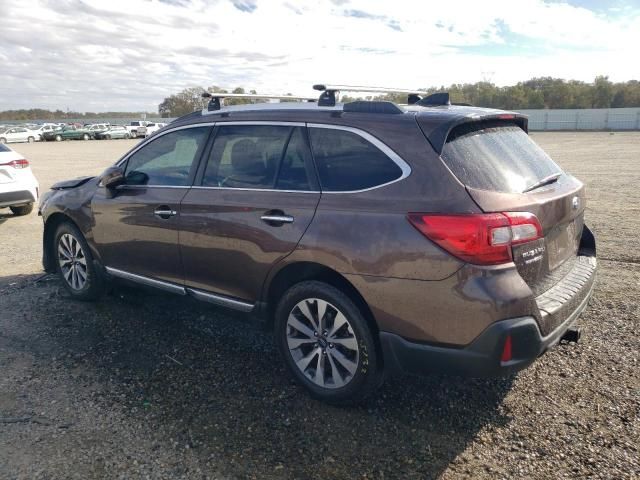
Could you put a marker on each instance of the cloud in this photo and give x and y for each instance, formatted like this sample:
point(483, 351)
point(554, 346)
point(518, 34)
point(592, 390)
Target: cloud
point(91, 55)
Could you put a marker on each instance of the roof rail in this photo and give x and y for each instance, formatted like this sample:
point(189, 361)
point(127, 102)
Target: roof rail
point(328, 95)
point(215, 102)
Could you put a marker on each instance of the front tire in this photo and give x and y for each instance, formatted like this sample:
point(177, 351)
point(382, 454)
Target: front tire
point(3, 140)
point(21, 210)
point(327, 343)
point(75, 265)
point(85, 136)
point(58, 138)
point(31, 139)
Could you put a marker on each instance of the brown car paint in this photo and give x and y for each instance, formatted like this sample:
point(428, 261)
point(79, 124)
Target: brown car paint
point(130, 237)
point(412, 287)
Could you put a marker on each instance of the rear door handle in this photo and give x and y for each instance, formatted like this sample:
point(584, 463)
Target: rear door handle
point(276, 218)
point(164, 212)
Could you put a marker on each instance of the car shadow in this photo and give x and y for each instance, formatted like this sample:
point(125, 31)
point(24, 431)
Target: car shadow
point(5, 215)
point(211, 381)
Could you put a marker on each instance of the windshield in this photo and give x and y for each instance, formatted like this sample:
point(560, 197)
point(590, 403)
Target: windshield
point(498, 157)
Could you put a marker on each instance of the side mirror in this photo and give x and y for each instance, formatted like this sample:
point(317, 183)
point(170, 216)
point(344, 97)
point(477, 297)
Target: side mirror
point(112, 177)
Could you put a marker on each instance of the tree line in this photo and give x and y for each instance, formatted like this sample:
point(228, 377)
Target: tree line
point(41, 114)
point(537, 93)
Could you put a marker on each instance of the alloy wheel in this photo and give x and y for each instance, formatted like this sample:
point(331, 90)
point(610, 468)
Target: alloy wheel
point(73, 262)
point(322, 343)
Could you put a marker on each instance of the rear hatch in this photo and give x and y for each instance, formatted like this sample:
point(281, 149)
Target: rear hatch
point(505, 171)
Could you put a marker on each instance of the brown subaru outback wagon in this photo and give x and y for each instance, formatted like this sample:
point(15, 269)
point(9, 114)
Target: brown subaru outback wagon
point(371, 237)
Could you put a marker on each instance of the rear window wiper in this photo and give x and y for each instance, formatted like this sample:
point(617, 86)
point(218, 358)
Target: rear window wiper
point(545, 181)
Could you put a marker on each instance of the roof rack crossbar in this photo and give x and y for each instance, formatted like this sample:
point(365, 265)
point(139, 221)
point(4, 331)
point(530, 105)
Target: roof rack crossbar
point(328, 96)
point(215, 102)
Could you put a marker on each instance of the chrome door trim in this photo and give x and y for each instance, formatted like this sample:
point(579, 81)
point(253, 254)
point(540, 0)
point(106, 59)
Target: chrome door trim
point(151, 282)
point(384, 148)
point(221, 300)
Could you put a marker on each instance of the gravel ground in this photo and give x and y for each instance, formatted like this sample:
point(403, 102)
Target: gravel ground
point(147, 385)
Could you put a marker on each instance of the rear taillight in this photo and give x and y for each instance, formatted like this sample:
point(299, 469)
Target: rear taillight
point(507, 354)
point(482, 239)
point(22, 163)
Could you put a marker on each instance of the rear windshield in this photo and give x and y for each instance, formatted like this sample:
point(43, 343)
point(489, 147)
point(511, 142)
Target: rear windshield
point(499, 157)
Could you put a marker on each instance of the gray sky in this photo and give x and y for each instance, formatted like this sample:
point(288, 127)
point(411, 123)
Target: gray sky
point(106, 55)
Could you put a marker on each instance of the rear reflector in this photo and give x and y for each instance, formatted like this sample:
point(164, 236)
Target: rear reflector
point(481, 239)
point(22, 163)
point(506, 350)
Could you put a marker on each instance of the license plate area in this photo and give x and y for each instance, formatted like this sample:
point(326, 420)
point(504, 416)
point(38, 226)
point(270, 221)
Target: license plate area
point(562, 242)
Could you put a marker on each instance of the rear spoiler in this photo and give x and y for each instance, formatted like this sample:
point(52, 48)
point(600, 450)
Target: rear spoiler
point(437, 127)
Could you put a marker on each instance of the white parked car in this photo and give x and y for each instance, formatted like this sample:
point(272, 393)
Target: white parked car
point(19, 189)
point(150, 129)
point(133, 127)
point(44, 128)
point(18, 134)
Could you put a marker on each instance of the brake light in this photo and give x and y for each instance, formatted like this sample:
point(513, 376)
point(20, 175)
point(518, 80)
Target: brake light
point(22, 163)
point(481, 239)
point(506, 350)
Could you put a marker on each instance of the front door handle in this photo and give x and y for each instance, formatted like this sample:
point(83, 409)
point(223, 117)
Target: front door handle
point(164, 212)
point(276, 218)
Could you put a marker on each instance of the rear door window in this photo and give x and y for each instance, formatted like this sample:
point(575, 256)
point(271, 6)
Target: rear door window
point(496, 156)
point(259, 157)
point(348, 162)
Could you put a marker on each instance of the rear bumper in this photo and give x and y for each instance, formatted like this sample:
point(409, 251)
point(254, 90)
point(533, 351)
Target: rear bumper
point(18, 197)
point(482, 357)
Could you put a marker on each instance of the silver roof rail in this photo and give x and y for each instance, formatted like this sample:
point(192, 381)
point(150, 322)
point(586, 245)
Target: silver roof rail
point(328, 95)
point(215, 98)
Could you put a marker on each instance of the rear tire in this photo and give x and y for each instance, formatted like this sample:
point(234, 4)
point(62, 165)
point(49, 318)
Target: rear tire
point(85, 136)
point(127, 136)
point(58, 138)
point(21, 210)
point(3, 140)
point(108, 137)
point(333, 357)
point(80, 275)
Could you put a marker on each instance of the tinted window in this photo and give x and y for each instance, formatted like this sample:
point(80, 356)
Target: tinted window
point(4, 148)
point(168, 159)
point(346, 161)
point(246, 156)
point(496, 157)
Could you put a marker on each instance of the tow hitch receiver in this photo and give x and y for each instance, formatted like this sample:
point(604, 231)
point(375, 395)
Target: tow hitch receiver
point(572, 335)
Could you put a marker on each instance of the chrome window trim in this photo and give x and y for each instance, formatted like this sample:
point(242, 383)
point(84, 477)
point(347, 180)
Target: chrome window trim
point(384, 148)
point(404, 166)
point(170, 287)
point(261, 123)
point(200, 187)
point(133, 187)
